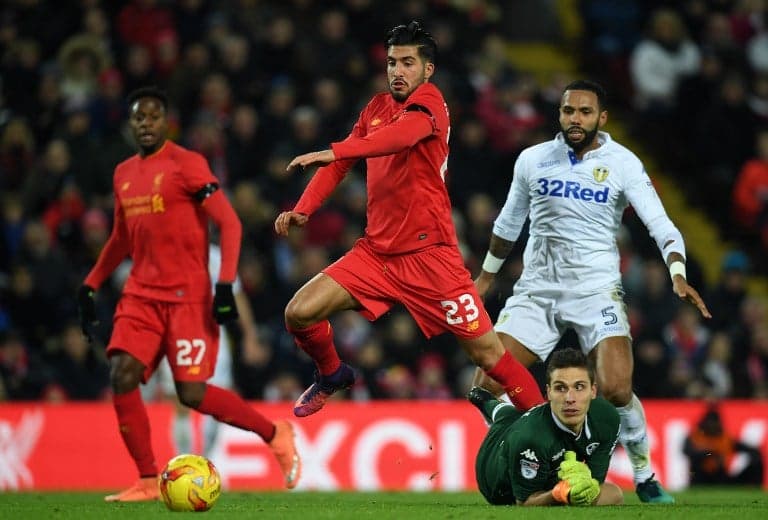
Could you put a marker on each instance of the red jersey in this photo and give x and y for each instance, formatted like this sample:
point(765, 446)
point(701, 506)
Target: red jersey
point(408, 204)
point(160, 225)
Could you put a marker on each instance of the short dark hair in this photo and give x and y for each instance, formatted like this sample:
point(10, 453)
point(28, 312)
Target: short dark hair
point(152, 92)
point(413, 34)
point(569, 358)
point(591, 86)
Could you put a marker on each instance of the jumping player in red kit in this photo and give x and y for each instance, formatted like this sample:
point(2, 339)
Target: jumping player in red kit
point(409, 253)
point(164, 198)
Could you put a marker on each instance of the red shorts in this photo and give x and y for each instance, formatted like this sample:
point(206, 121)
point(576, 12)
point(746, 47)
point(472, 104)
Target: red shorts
point(432, 284)
point(184, 332)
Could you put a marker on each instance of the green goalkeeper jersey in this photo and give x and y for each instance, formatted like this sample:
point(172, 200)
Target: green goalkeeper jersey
point(521, 453)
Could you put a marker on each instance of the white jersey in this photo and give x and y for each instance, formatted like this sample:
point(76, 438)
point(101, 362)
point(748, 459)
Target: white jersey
point(575, 209)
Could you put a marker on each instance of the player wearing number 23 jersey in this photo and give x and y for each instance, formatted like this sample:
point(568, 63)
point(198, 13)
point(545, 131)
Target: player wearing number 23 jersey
point(409, 252)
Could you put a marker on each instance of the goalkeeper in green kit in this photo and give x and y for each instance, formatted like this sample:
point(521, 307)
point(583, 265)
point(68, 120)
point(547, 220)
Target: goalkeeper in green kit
point(556, 453)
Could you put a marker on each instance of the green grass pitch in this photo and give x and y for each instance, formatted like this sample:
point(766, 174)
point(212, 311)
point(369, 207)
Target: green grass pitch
point(698, 504)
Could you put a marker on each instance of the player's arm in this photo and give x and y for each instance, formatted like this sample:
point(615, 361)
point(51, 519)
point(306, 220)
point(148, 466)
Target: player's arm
point(219, 209)
point(498, 250)
point(415, 124)
point(115, 250)
point(644, 199)
point(506, 227)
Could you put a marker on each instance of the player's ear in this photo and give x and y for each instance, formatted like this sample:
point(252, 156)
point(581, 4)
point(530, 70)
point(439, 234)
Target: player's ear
point(429, 69)
point(603, 119)
point(594, 390)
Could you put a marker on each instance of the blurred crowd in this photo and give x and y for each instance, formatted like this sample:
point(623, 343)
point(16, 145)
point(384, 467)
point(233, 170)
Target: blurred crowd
point(253, 83)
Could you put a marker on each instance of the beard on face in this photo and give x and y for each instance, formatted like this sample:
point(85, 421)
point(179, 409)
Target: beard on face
point(578, 146)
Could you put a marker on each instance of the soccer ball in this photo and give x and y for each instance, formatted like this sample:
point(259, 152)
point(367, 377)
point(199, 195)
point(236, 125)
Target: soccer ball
point(189, 483)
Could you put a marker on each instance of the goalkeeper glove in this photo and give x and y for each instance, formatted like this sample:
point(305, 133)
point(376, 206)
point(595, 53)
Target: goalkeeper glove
point(224, 306)
point(86, 308)
point(584, 491)
point(570, 467)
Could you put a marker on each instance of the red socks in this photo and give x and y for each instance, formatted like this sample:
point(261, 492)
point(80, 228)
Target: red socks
point(518, 382)
point(133, 422)
point(228, 407)
point(317, 341)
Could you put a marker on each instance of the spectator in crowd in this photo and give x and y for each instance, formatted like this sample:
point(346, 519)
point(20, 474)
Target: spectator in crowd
point(750, 193)
point(712, 451)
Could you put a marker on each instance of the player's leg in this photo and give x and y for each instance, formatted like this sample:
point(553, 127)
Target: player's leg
point(354, 282)
point(489, 354)
point(493, 409)
point(228, 407)
point(222, 378)
point(519, 351)
point(192, 363)
point(610, 495)
point(133, 352)
point(439, 293)
point(613, 364)
point(125, 375)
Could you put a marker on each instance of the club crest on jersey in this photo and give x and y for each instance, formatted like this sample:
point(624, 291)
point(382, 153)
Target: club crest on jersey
point(528, 469)
point(600, 173)
point(591, 447)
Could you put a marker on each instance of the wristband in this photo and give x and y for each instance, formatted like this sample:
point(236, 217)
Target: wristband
point(675, 268)
point(492, 264)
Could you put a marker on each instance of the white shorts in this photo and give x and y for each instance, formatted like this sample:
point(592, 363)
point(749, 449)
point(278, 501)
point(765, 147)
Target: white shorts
point(539, 319)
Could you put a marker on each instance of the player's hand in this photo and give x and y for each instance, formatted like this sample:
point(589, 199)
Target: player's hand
point(571, 468)
point(689, 294)
point(86, 309)
point(224, 306)
point(584, 491)
point(286, 219)
point(483, 283)
point(320, 158)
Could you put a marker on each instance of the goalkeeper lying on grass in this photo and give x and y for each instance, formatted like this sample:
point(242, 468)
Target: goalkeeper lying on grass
point(533, 458)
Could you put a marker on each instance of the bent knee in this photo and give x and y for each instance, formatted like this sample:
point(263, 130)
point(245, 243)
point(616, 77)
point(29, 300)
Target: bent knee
point(618, 393)
point(298, 315)
point(191, 394)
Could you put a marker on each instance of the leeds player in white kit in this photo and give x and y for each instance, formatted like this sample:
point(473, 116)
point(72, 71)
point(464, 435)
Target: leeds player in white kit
point(575, 189)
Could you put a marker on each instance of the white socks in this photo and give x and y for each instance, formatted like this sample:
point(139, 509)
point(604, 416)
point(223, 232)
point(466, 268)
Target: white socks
point(634, 438)
point(182, 433)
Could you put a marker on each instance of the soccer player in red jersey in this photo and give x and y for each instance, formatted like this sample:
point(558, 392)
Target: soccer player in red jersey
point(164, 197)
point(409, 253)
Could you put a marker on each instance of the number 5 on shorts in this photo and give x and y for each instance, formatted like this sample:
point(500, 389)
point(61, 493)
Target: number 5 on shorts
point(185, 354)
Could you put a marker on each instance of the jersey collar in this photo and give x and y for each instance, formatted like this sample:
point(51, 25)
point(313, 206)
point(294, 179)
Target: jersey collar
point(585, 430)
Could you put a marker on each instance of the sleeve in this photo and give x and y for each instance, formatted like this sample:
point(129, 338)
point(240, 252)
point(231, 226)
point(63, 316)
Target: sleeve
point(326, 178)
point(230, 230)
point(410, 128)
point(510, 221)
point(530, 468)
point(196, 172)
point(644, 199)
point(607, 419)
point(322, 184)
point(115, 250)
